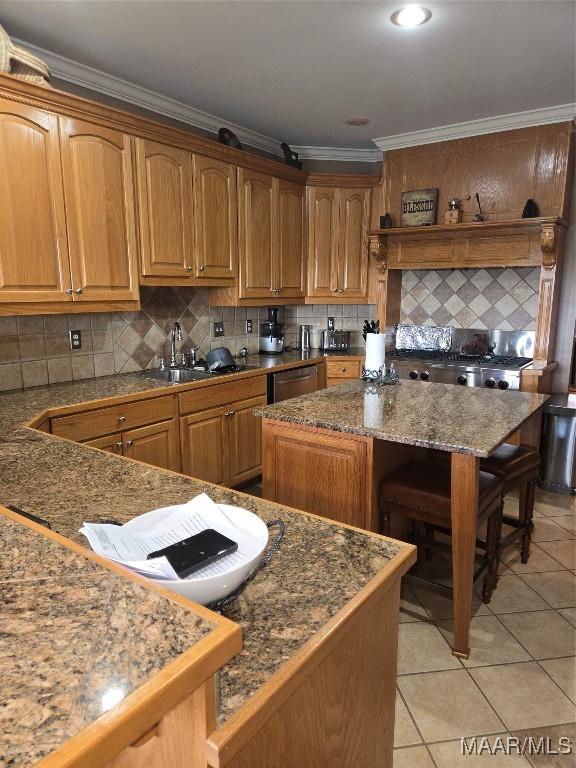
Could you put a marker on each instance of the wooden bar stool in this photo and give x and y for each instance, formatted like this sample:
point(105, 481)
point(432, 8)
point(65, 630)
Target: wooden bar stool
point(421, 490)
point(518, 467)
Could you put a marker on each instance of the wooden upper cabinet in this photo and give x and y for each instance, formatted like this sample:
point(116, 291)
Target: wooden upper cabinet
point(323, 221)
point(338, 222)
point(257, 225)
point(352, 269)
point(165, 208)
point(99, 197)
point(34, 262)
point(215, 219)
point(289, 278)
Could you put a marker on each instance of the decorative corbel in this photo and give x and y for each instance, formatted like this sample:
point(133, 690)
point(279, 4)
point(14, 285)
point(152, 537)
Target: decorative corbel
point(378, 251)
point(548, 244)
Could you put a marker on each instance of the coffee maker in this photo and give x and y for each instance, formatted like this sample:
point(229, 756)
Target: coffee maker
point(271, 334)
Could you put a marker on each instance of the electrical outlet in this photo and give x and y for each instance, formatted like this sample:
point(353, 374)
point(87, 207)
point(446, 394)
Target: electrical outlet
point(248, 326)
point(218, 329)
point(75, 340)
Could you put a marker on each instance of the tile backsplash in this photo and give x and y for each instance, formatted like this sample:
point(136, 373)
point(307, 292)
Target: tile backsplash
point(35, 350)
point(496, 299)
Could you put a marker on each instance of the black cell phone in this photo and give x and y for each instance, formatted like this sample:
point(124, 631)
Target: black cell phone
point(196, 552)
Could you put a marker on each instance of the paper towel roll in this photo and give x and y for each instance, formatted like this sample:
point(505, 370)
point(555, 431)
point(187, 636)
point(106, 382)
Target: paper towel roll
point(374, 351)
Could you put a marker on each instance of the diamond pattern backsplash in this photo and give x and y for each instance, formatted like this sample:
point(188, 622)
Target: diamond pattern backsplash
point(496, 299)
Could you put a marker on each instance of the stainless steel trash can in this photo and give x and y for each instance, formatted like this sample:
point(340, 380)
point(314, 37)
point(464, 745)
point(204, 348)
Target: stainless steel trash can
point(558, 445)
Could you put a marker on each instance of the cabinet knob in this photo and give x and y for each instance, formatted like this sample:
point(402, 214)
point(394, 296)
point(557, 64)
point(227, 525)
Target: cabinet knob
point(69, 291)
point(118, 445)
point(129, 443)
point(275, 290)
point(78, 290)
point(340, 290)
point(189, 268)
point(121, 419)
point(201, 268)
point(231, 413)
point(335, 290)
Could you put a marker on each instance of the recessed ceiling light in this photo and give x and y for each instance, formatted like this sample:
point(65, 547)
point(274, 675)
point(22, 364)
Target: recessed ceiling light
point(357, 121)
point(411, 16)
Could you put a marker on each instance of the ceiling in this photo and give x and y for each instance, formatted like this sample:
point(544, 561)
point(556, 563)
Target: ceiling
point(295, 71)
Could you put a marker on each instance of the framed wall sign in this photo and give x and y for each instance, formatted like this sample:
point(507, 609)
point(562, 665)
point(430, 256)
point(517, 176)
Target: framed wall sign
point(418, 208)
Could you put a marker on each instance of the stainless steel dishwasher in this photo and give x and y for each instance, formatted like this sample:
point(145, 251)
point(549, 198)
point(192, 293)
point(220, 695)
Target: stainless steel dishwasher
point(296, 381)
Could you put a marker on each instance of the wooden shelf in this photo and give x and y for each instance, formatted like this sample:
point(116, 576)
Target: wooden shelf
point(519, 242)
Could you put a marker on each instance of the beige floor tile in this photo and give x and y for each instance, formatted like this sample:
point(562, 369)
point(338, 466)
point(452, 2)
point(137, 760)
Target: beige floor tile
point(545, 529)
point(569, 614)
point(448, 705)
point(538, 561)
point(554, 503)
point(422, 648)
point(413, 757)
point(523, 695)
point(513, 595)
point(410, 607)
point(563, 551)
point(405, 732)
point(450, 754)
point(439, 604)
point(544, 634)
point(553, 736)
point(563, 672)
point(558, 588)
point(566, 521)
point(490, 642)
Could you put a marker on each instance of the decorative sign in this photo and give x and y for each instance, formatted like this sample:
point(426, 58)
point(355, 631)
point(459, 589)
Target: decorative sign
point(418, 208)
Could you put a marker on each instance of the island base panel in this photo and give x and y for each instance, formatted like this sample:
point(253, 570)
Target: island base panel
point(178, 740)
point(342, 713)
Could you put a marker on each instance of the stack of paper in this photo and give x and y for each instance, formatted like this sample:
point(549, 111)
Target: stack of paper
point(128, 545)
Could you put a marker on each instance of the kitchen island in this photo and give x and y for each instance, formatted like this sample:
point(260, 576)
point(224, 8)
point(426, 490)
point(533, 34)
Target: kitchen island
point(328, 601)
point(328, 452)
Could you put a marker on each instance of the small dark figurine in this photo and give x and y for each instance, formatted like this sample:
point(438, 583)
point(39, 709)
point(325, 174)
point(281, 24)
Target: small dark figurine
point(225, 136)
point(290, 157)
point(480, 216)
point(386, 221)
point(530, 209)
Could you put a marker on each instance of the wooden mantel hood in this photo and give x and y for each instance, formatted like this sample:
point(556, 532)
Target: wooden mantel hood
point(517, 243)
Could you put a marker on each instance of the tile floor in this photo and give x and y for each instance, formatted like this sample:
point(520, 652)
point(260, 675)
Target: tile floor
point(520, 679)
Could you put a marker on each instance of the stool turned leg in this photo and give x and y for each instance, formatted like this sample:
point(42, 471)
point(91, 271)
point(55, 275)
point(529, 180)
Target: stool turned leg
point(526, 513)
point(493, 535)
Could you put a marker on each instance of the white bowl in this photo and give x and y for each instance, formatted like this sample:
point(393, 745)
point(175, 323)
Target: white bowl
point(207, 589)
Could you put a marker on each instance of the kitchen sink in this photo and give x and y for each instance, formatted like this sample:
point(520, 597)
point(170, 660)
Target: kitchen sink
point(178, 375)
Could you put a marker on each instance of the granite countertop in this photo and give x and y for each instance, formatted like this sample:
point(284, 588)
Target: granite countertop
point(75, 638)
point(318, 569)
point(443, 416)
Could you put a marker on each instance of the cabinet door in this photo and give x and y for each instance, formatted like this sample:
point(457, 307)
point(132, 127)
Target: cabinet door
point(289, 278)
point(244, 441)
point(156, 444)
point(110, 443)
point(165, 208)
point(323, 224)
point(98, 191)
point(257, 234)
point(202, 440)
point(352, 268)
point(34, 262)
point(216, 218)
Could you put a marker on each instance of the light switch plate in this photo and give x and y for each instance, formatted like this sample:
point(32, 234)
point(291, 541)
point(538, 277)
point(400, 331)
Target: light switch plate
point(248, 326)
point(75, 339)
point(218, 329)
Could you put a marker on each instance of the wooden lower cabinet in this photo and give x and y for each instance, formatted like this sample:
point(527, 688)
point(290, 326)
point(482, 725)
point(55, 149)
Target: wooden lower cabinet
point(320, 471)
point(222, 445)
point(342, 370)
point(203, 440)
point(155, 444)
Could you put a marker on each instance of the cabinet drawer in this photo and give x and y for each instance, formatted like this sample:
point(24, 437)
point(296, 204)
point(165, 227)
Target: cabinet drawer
point(220, 394)
point(104, 421)
point(343, 370)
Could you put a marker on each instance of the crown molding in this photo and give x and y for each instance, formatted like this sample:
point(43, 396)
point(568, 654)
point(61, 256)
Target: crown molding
point(559, 114)
point(100, 82)
point(341, 154)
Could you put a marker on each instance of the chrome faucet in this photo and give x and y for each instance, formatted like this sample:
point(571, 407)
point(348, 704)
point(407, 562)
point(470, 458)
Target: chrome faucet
point(176, 336)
